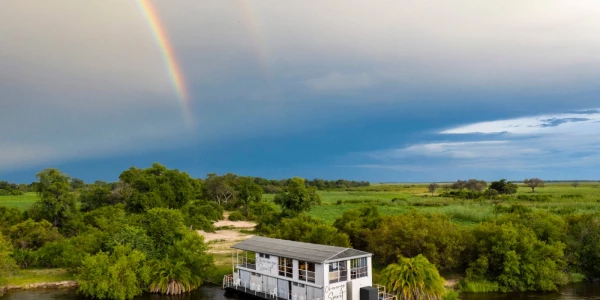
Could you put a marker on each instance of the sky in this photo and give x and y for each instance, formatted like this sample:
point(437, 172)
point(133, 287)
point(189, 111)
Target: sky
point(393, 91)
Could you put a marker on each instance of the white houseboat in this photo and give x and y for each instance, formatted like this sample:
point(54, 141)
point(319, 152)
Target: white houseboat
point(280, 269)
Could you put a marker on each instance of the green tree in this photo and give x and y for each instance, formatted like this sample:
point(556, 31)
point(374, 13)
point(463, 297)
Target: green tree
point(193, 251)
point(172, 278)
point(533, 183)
point(513, 256)
point(164, 226)
point(584, 244)
point(413, 279)
point(432, 187)
point(220, 188)
point(56, 203)
point(32, 235)
point(9, 216)
point(77, 183)
point(434, 236)
point(94, 196)
point(120, 275)
point(358, 224)
point(303, 228)
point(248, 192)
point(7, 264)
point(157, 186)
point(298, 198)
point(504, 187)
point(136, 238)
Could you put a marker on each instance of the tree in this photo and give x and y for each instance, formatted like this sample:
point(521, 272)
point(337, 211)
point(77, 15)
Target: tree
point(157, 186)
point(413, 279)
point(584, 244)
point(172, 278)
point(432, 187)
point(7, 264)
point(164, 226)
point(515, 258)
point(298, 198)
point(303, 228)
point(120, 275)
point(193, 251)
point(358, 224)
point(32, 235)
point(533, 183)
point(56, 203)
point(94, 196)
point(77, 183)
point(248, 192)
point(504, 187)
point(575, 184)
point(471, 184)
point(9, 216)
point(434, 236)
point(219, 188)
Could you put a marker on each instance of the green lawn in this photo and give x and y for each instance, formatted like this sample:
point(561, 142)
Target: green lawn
point(21, 202)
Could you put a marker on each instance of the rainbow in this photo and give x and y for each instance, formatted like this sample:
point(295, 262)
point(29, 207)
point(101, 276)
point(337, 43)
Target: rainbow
point(255, 28)
point(170, 60)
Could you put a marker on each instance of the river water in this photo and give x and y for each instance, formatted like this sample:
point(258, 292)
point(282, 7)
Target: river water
point(571, 292)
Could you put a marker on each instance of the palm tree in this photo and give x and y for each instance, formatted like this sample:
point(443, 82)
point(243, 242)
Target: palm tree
point(413, 278)
point(172, 278)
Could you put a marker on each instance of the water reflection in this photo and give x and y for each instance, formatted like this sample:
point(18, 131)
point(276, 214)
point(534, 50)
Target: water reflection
point(581, 291)
point(204, 293)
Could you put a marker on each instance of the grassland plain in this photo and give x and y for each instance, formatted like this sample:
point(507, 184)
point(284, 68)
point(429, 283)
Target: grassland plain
point(562, 198)
point(400, 198)
point(21, 202)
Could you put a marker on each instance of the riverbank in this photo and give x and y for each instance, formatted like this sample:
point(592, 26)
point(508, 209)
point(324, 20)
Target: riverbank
point(39, 279)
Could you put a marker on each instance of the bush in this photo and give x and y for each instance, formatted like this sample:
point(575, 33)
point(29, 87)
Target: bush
point(236, 216)
point(413, 278)
point(434, 236)
point(534, 198)
point(451, 295)
point(303, 228)
point(120, 275)
point(513, 256)
point(478, 286)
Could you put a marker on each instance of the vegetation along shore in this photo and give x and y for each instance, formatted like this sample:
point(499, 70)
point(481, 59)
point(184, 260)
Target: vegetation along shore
point(158, 230)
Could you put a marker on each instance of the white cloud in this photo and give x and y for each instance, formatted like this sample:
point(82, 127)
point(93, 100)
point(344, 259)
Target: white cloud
point(576, 122)
point(529, 143)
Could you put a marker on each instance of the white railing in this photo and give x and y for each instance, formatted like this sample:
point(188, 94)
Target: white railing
point(382, 295)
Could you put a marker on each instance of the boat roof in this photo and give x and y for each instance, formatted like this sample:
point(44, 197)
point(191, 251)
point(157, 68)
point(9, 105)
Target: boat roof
point(298, 250)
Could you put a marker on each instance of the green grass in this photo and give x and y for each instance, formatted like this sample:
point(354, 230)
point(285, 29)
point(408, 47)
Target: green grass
point(563, 199)
point(24, 277)
point(21, 202)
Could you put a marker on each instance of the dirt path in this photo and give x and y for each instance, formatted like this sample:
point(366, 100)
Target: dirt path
point(221, 240)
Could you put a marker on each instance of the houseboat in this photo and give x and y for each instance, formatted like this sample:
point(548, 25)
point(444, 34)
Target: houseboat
point(277, 269)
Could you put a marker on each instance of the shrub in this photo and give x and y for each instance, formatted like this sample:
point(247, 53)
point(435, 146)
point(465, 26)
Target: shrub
point(513, 256)
point(478, 286)
point(120, 275)
point(451, 295)
point(303, 228)
point(434, 236)
point(534, 198)
point(236, 216)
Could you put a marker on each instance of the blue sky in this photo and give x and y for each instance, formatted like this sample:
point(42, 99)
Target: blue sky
point(400, 91)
